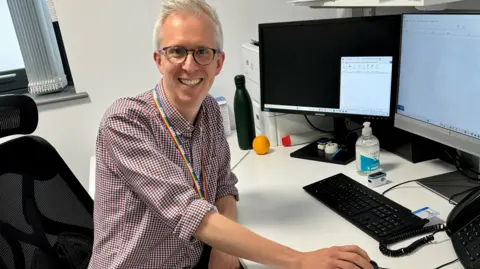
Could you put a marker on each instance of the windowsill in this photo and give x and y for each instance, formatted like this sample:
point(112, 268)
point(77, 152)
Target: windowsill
point(68, 94)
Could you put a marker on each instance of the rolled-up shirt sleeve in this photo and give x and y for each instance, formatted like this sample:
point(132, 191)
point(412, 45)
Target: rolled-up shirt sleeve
point(227, 180)
point(158, 182)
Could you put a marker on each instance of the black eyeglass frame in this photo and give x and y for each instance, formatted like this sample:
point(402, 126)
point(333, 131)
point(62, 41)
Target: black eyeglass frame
point(215, 52)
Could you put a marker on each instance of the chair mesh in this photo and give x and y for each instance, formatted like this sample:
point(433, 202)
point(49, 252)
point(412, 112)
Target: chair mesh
point(55, 201)
point(46, 216)
point(9, 118)
point(6, 261)
point(18, 115)
point(64, 206)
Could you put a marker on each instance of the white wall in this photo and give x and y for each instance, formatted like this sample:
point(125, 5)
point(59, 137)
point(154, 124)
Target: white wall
point(109, 48)
point(240, 21)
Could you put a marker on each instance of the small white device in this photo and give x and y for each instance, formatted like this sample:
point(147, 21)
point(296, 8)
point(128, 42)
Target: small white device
point(322, 143)
point(331, 148)
point(377, 179)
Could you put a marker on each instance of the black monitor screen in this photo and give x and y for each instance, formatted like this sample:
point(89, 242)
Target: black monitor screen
point(337, 66)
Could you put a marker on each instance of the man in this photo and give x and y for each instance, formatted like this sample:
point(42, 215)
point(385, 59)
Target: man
point(164, 188)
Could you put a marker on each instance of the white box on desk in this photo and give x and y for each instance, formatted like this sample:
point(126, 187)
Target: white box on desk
point(265, 123)
point(273, 125)
point(251, 62)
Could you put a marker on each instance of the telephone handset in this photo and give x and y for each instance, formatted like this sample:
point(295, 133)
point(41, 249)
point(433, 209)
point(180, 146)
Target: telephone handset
point(462, 226)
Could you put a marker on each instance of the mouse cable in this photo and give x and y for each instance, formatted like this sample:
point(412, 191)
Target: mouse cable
point(398, 185)
point(448, 263)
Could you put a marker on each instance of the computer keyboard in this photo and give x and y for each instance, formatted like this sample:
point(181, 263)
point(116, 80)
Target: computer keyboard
point(373, 213)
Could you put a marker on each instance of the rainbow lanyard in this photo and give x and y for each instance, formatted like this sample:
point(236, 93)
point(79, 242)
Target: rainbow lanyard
point(202, 192)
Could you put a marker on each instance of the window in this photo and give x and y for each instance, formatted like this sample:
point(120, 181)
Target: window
point(36, 60)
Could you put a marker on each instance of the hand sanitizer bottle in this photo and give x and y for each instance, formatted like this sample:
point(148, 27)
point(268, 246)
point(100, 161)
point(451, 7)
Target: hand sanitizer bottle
point(367, 152)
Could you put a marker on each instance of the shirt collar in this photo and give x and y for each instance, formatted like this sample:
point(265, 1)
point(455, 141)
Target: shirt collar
point(179, 123)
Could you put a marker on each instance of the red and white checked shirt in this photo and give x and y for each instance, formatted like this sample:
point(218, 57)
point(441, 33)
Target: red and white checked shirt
point(146, 207)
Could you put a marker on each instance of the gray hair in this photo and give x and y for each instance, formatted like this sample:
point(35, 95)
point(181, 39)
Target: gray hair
point(192, 6)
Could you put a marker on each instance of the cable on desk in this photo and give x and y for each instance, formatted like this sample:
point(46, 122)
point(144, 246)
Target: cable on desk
point(398, 185)
point(244, 156)
point(448, 263)
point(449, 199)
point(415, 245)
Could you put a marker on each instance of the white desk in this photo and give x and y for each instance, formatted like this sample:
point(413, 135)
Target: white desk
point(274, 205)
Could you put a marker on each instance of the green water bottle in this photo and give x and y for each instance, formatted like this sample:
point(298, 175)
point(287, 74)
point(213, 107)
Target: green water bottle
point(243, 110)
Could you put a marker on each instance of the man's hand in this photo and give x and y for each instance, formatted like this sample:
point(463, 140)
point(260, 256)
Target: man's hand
point(345, 257)
point(222, 260)
point(230, 237)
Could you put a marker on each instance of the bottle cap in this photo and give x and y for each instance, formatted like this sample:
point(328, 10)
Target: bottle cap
point(367, 130)
point(286, 141)
point(239, 80)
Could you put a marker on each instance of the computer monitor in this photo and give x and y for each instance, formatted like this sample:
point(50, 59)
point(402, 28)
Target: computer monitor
point(439, 84)
point(336, 67)
point(344, 67)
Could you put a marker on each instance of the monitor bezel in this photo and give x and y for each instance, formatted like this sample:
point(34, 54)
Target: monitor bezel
point(395, 65)
point(435, 133)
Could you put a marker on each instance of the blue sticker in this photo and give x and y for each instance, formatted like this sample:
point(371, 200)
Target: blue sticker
point(369, 164)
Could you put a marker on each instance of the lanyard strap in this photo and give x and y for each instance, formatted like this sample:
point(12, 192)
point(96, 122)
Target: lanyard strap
point(202, 192)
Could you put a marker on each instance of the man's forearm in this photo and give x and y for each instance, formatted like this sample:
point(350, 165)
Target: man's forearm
point(227, 206)
point(226, 235)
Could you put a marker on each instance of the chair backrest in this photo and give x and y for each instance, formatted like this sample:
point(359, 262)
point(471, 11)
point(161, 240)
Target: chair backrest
point(18, 115)
point(46, 216)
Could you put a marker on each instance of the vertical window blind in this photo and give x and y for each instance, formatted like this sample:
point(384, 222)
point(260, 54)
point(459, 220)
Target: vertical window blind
point(32, 20)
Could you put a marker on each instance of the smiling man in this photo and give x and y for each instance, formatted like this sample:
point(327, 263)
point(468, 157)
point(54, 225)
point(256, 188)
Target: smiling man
point(165, 194)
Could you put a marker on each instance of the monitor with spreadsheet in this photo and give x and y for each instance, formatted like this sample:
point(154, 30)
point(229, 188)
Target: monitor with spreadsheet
point(340, 67)
point(439, 84)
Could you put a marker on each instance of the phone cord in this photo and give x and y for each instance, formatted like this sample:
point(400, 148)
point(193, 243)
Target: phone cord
point(412, 247)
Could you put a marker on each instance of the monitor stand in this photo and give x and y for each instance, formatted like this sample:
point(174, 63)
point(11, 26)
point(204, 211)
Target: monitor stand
point(449, 185)
point(343, 157)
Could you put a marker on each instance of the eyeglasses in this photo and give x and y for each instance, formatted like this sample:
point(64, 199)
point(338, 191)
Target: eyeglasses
point(178, 55)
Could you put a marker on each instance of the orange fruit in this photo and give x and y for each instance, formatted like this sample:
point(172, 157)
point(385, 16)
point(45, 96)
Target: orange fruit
point(261, 145)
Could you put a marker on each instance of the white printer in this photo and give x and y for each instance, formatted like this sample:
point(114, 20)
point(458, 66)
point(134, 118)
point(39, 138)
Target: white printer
point(272, 125)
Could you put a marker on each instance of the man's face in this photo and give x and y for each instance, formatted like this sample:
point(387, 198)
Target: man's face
point(187, 84)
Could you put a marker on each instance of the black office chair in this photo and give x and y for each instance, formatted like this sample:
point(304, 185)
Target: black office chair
point(46, 216)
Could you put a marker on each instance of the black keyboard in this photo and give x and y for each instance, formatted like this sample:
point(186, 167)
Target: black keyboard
point(371, 212)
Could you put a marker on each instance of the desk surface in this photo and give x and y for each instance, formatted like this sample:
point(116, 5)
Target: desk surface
point(274, 205)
